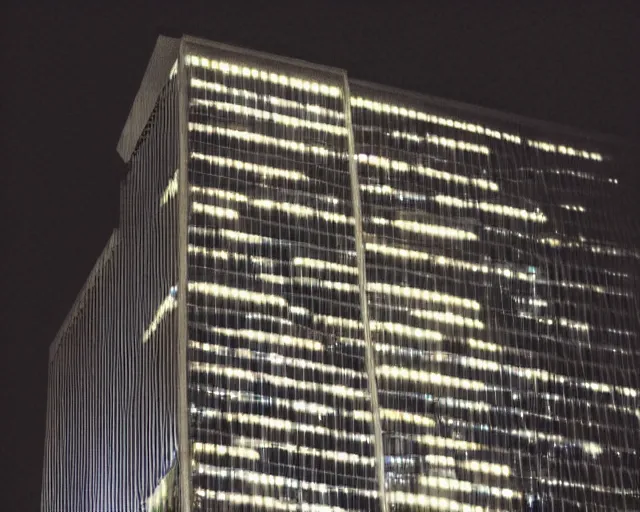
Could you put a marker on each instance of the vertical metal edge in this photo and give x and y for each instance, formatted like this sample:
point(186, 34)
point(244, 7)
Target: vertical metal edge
point(44, 487)
point(370, 362)
point(184, 450)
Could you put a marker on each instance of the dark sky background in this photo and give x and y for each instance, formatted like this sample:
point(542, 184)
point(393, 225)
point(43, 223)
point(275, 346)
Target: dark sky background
point(69, 77)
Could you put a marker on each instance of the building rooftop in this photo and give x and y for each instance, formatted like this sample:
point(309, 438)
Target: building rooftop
point(167, 50)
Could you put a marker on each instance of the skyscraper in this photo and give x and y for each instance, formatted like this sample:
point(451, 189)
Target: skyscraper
point(329, 295)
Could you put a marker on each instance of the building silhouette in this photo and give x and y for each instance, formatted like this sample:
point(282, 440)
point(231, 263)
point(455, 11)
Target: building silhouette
point(327, 295)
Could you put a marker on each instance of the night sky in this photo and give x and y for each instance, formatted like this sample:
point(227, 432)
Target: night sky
point(70, 76)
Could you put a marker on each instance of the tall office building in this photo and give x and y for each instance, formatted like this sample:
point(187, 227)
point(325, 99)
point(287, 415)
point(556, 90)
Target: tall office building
point(327, 295)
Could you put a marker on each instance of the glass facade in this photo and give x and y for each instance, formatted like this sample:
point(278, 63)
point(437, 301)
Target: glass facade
point(279, 406)
point(382, 301)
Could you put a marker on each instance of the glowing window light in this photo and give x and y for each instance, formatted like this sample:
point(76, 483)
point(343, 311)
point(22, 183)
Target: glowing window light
point(533, 374)
point(386, 190)
point(507, 232)
point(571, 172)
point(297, 310)
point(573, 207)
point(214, 211)
point(439, 460)
point(531, 301)
point(448, 317)
point(247, 136)
point(196, 83)
point(240, 396)
point(358, 415)
point(486, 467)
point(270, 318)
point(581, 243)
point(278, 359)
point(171, 190)
point(273, 278)
point(505, 210)
point(219, 193)
point(452, 484)
point(590, 486)
point(285, 425)
point(231, 451)
point(589, 447)
point(442, 141)
point(430, 502)
point(457, 144)
point(483, 345)
point(265, 76)
point(609, 290)
point(302, 211)
point(528, 373)
point(263, 170)
point(285, 382)
point(239, 236)
point(412, 254)
point(271, 338)
point(331, 285)
point(471, 405)
point(305, 450)
point(483, 364)
point(385, 348)
point(166, 306)
point(347, 323)
point(573, 324)
point(379, 107)
point(531, 435)
point(627, 391)
point(268, 480)
point(328, 199)
point(561, 321)
point(401, 373)
point(215, 253)
point(564, 150)
point(227, 292)
point(390, 327)
point(433, 230)
point(266, 262)
point(397, 165)
point(417, 293)
point(441, 356)
point(324, 265)
point(597, 386)
point(592, 449)
point(406, 417)
point(234, 236)
point(266, 502)
point(446, 442)
point(621, 331)
point(294, 122)
point(587, 345)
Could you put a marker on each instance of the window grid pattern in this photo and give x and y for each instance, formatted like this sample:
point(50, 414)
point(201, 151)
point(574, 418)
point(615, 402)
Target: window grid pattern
point(280, 414)
point(494, 344)
point(511, 326)
point(335, 232)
